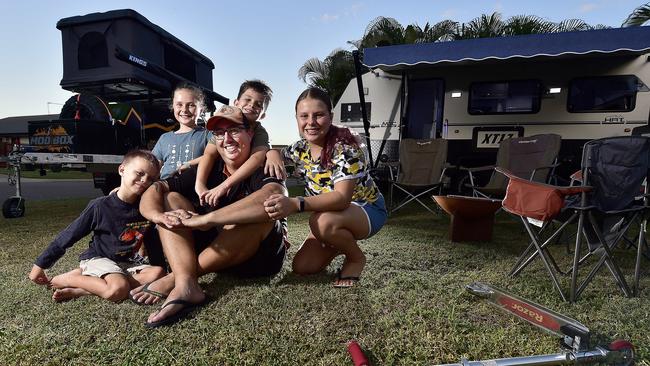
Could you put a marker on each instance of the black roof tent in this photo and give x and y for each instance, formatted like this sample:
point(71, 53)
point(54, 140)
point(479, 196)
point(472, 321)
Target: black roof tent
point(120, 55)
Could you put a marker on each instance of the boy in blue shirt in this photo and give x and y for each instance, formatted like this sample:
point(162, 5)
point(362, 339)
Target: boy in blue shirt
point(111, 265)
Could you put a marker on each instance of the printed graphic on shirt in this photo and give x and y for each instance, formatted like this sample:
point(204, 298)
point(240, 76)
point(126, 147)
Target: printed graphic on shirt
point(133, 237)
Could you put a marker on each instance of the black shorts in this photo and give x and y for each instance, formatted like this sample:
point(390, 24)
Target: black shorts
point(267, 260)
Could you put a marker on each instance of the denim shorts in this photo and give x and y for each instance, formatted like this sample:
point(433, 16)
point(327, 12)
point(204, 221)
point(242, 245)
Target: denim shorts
point(375, 213)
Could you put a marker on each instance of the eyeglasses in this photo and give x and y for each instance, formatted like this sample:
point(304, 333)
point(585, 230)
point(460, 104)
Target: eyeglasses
point(220, 133)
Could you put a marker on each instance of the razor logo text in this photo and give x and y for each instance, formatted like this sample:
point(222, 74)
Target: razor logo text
point(528, 312)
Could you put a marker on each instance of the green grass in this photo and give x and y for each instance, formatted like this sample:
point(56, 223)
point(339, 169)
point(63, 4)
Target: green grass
point(410, 307)
point(63, 174)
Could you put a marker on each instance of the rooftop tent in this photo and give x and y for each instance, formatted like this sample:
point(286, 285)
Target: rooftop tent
point(121, 55)
point(633, 40)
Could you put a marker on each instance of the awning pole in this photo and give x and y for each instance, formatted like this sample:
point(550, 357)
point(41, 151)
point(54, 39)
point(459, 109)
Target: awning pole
point(362, 100)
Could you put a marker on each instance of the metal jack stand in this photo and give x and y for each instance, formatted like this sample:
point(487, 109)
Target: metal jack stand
point(574, 336)
point(14, 206)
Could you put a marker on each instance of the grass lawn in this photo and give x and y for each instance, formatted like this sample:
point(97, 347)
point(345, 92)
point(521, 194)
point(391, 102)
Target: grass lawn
point(410, 307)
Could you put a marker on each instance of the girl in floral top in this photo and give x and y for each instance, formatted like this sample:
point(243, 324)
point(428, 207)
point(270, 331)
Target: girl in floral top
point(346, 204)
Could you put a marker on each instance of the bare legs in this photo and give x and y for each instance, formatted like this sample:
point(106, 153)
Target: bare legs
point(234, 245)
point(333, 233)
point(113, 287)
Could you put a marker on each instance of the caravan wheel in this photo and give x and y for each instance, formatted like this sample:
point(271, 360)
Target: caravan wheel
point(13, 207)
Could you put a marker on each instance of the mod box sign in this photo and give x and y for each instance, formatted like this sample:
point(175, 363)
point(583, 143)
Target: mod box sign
point(72, 136)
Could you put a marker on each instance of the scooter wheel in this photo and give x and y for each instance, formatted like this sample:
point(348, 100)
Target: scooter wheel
point(626, 349)
point(13, 207)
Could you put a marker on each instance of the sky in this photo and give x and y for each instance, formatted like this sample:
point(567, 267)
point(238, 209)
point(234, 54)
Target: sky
point(261, 39)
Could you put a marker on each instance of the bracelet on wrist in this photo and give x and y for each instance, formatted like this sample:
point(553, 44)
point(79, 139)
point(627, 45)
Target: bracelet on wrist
point(301, 203)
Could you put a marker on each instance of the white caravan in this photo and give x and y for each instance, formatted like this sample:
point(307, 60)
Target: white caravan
point(580, 85)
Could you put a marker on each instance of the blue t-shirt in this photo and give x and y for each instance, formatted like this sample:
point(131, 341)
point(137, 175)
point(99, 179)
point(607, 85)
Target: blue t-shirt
point(118, 231)
point(176, 149)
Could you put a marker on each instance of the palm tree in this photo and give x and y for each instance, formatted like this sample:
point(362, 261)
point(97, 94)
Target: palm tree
point(638, 17)
point(484, 26)
point(383, 31)
point(331, 74)
point(527, 24)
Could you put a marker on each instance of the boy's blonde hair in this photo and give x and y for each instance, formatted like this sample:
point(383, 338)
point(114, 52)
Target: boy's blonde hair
point(143, 154)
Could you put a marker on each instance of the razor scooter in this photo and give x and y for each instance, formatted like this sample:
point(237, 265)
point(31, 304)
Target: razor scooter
point(574, 335)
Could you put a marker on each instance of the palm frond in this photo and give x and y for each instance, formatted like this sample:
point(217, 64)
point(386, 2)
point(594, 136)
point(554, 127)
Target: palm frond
point(570, 25)
point(638, 17)
point(527, 24)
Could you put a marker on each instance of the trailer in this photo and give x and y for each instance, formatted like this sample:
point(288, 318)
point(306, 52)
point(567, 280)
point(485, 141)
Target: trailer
point(475, 93)
point(123, 69)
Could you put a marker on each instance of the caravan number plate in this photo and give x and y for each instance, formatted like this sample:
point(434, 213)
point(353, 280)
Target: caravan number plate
point(491, 138)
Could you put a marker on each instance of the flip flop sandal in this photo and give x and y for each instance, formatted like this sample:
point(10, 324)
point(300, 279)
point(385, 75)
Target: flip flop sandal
point(345, 281)
point(186, 308)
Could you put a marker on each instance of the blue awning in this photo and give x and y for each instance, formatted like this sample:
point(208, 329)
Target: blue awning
point(602, 41)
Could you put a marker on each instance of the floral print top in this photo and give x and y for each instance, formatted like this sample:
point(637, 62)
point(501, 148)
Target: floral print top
point(348, 162)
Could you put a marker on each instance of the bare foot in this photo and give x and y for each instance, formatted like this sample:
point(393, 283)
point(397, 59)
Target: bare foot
point(190, 292)
point(353, 268)
point(68, 293)
point(350, 272)
point(153, 292)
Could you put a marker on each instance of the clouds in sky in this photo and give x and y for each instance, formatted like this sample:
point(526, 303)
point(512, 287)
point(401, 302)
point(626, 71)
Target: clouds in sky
point(587, 7)
point(350, 11)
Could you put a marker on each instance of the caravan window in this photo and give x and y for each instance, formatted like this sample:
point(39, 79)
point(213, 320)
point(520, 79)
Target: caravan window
point(351, 112)
point(520, 96)
point(604, 93)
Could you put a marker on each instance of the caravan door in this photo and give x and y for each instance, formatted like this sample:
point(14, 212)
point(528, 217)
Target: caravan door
point(424, 108)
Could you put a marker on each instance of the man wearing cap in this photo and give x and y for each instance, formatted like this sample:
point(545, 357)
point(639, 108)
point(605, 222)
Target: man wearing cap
point(235, 237)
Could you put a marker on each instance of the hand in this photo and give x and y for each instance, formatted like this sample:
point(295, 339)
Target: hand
point(173, 219)
point(211, 197)
point(274, 166)
point(183, 167)
point(278, 206)
point(200, 190)
point(199, 222)
point(38, 276)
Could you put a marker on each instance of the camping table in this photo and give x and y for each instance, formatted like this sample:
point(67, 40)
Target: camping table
point(472, 218)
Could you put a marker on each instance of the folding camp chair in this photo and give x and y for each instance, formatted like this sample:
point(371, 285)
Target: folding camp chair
point(420, 170)
point(604, 207)
point(531, 157)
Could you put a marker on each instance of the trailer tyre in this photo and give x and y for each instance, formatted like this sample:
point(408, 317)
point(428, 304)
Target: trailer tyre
point(13, 207)
point(90, 107)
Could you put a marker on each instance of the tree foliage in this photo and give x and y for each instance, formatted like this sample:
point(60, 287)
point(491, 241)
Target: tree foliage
point(638, 17)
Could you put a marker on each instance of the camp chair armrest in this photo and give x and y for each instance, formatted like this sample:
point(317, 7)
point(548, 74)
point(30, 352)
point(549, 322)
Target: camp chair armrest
point(478, 168)
point(568, 191)
point(626, 210)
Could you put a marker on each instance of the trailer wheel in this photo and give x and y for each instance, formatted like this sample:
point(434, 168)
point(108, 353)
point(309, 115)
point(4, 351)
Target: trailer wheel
point(90, 107)
point(13, 207)
point(626, 350)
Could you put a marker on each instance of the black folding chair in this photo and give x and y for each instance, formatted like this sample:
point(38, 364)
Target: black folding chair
point(604, 208)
